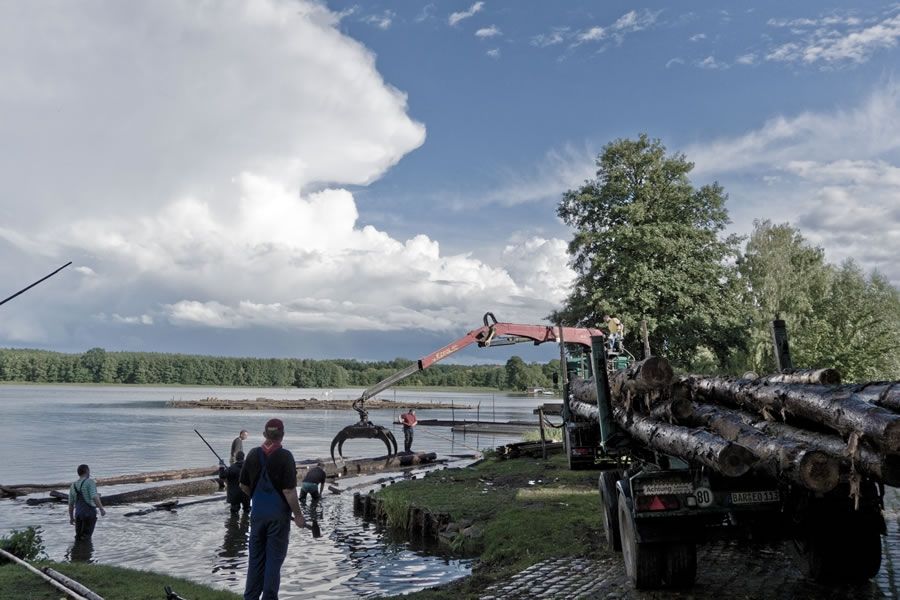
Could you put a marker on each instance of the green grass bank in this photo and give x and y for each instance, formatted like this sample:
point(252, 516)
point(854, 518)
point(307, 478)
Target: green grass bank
point(112, 583)
point(521, 512)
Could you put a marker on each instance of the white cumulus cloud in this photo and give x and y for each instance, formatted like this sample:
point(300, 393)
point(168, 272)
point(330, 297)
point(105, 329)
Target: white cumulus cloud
point(488, 32)
point(465, 14)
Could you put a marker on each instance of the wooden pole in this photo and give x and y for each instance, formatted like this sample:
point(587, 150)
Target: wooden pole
point(645, 336)
point(543, 439)
point(46, 578)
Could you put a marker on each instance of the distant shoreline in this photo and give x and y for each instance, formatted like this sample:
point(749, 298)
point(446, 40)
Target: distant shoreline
point(435, 388)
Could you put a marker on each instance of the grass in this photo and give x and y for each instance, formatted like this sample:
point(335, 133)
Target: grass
point(530, 510)
point(551, 434)
point(108, 582)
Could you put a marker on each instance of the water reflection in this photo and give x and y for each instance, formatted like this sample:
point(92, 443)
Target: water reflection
point(81, 551)
point(233, 552)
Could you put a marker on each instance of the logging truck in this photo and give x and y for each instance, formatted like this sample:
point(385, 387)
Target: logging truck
point(657, 508)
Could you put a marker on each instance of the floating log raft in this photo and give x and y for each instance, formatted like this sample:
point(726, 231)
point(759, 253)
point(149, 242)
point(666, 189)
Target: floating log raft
point(24, 489)
point(362, 466)
point(836, 407)
point(152, 494)
point(310, 404)
point(777, 456)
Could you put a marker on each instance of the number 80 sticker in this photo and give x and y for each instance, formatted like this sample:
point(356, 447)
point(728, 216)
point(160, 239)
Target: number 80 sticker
point(704, 496)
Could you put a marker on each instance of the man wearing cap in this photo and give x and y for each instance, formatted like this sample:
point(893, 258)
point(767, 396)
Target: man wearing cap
point(269, 478)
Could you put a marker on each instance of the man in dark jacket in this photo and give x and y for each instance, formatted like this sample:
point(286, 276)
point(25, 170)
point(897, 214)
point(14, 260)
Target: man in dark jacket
point(234, 495)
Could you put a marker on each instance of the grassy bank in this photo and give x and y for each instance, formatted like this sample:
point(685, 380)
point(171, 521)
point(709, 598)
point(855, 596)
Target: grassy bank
point(109, 582)
point(523, 511)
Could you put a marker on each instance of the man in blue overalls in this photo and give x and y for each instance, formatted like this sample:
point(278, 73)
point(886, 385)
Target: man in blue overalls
point(84, 502)
point(269, 477)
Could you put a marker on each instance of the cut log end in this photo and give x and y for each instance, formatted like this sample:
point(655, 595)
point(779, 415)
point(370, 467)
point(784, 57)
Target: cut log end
point(735, 460)
point(819, 472)
point(656, 371)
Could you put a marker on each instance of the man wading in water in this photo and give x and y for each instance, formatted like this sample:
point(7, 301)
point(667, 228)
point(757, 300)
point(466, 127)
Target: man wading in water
point(84, 501)
point(408, 420)
point(269, 477)
point(237, 445)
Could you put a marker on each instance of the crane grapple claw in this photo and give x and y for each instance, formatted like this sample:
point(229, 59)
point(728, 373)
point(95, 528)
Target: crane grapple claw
point(364, 430)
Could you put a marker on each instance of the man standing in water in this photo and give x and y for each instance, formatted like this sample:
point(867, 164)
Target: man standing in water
point(408, 420)
point(234, 495)
point(269, 478)
point(84, 502)
point(238, 445)
point(313, 484)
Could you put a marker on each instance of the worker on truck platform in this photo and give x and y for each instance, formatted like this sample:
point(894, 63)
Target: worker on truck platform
point(616, 331)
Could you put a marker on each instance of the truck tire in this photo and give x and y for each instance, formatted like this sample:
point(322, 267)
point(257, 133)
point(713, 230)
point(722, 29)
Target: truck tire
point(846, 550)
point(609, 503)
point(643, 562)
point(680, 565)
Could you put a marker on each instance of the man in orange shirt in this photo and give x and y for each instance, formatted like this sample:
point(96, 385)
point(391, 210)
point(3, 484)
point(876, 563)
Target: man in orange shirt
point(408, 420)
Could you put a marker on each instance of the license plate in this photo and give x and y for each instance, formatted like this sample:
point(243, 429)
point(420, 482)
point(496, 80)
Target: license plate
point(755, 497)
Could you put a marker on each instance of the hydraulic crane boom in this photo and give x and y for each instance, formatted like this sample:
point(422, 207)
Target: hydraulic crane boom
point(492, 333)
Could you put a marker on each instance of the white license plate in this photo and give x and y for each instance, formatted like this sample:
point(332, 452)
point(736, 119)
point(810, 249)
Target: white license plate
point(755, 497)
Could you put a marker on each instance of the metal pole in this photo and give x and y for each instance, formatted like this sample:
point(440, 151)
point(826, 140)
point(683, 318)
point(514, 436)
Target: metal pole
point(601, 380)
point(780, 345)
point(646, 337)
point(564, 376)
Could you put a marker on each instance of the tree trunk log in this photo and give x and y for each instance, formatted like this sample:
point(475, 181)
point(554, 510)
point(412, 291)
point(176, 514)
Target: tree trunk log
point(694, 445)
point(154, 494)
point(836, 407)
point(149, 477)
point(885, 394)
point(673, 403)
point(779, 457)
point(650, 375)
point(883, 468)
point(806, 376)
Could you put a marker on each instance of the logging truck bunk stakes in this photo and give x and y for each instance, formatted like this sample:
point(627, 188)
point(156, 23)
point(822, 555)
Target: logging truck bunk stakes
point(657, 507)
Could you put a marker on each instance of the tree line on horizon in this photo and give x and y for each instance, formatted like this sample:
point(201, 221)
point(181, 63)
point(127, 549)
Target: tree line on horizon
point(99, 366)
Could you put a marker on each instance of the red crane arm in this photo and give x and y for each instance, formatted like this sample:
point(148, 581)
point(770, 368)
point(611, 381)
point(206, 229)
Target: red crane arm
point(502, 334)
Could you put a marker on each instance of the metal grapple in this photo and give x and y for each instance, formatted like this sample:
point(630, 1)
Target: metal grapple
point(364, 429)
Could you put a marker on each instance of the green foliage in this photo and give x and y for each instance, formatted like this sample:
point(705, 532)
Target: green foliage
point(521, 375)
point(649, 245)
point(26, 543)
point(108, 582)
point(551, 434)
point(100, 366)
point(836, 316)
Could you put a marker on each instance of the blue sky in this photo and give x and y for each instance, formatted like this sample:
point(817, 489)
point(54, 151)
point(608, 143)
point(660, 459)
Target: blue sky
point(292, 178)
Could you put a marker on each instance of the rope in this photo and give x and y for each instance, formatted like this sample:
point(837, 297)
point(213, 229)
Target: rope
point(452, 441)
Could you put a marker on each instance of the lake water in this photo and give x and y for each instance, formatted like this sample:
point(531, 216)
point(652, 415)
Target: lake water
point(48, 430)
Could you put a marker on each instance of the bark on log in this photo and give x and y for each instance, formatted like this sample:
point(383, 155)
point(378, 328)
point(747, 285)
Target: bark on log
point(672, 404)
point(885, 394)
point(883, 468)
point(780, 457)
point(694, 445)
point(806, 376)
point(23, 489)
point(650, 375)
point(836, 407)
point(154, 494)
point(71, 584)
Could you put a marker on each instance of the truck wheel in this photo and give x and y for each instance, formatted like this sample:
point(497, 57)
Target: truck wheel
point(850, 552)
point(643, 562)
point(681, 565)
point(609, 502)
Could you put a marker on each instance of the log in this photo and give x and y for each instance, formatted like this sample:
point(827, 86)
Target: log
point(690, 444)
point(885, 394)
point(670, 404)
point(836, 407)
point(71, 593)
point(153, 494)
point(71, 584)
point(883, 468)
point(779, 457)
point(649, 375)
point(806, 376)
point(149, 477)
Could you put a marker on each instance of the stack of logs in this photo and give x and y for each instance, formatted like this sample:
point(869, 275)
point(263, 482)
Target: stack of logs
point(803, 427)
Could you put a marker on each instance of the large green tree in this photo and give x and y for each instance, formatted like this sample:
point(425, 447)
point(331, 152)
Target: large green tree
point(837, 316)
point(649, 245)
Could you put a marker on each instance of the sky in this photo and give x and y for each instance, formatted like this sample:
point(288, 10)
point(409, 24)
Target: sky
point(366, 179)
